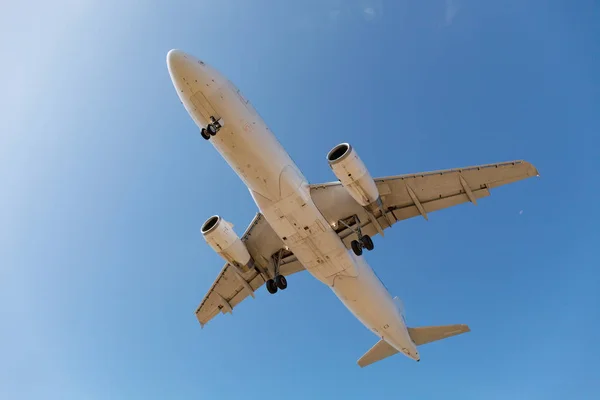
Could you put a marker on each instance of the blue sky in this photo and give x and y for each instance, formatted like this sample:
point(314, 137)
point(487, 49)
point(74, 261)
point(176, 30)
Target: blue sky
point(105, 182)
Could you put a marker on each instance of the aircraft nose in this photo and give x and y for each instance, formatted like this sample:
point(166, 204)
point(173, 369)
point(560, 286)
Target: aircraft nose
point(190, 75)
point(184, 71)
point(180, 62)
point(196, 83)
point(177, 61)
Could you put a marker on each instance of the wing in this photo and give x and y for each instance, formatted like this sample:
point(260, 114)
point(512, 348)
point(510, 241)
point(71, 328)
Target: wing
point(407, 196)
point(232, 286)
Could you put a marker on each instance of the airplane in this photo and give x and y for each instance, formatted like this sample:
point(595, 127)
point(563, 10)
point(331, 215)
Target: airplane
point(321, 228)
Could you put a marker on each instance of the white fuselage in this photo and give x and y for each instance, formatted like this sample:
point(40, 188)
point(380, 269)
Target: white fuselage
point(282, 195)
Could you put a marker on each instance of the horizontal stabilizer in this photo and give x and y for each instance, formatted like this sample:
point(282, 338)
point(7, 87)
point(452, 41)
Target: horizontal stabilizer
point(428, 334)
point(381, 350)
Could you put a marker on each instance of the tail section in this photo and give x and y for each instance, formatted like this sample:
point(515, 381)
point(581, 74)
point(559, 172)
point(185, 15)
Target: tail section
point(428, 334)
point(419, 336)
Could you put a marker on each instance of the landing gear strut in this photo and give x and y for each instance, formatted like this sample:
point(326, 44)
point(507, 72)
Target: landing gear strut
point(279, 282)
point(211, 129)
point(363, 242)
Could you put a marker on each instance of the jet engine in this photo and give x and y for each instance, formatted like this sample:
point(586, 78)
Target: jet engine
point(220, 236)
point(353, 174)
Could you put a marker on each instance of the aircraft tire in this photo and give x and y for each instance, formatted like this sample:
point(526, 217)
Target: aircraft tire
point(356, 247)
point(271, 286)
point(367, 242)
point(281, 282)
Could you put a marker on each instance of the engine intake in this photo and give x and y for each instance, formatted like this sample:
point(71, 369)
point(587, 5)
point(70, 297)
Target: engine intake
point(220, 236)
point(353, 174)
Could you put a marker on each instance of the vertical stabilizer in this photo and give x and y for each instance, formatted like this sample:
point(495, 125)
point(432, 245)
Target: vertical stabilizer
point(400, 307)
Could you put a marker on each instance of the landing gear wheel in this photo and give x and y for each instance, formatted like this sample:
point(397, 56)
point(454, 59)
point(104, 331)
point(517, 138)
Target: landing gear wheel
point(212, 129)
point(271, 286)
point(367, 242)
point(205, 134)
point(281, 282)
point(356, 247)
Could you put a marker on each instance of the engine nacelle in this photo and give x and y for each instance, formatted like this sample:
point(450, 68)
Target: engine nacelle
point(353, 174)
point(220, 236)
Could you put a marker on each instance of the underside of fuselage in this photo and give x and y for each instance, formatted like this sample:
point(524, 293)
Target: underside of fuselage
point(320, 228)
point(281, 193)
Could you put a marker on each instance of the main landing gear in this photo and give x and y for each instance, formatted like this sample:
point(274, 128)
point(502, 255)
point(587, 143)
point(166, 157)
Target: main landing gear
point(211, 129)
point(279, 282)
point(363, 242)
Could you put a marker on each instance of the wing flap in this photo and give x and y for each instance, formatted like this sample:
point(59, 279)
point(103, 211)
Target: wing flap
point(409, 211)
point(435, 185)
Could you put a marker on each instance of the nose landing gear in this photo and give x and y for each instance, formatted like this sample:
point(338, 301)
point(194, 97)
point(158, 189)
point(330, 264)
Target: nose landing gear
point(212, 128)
